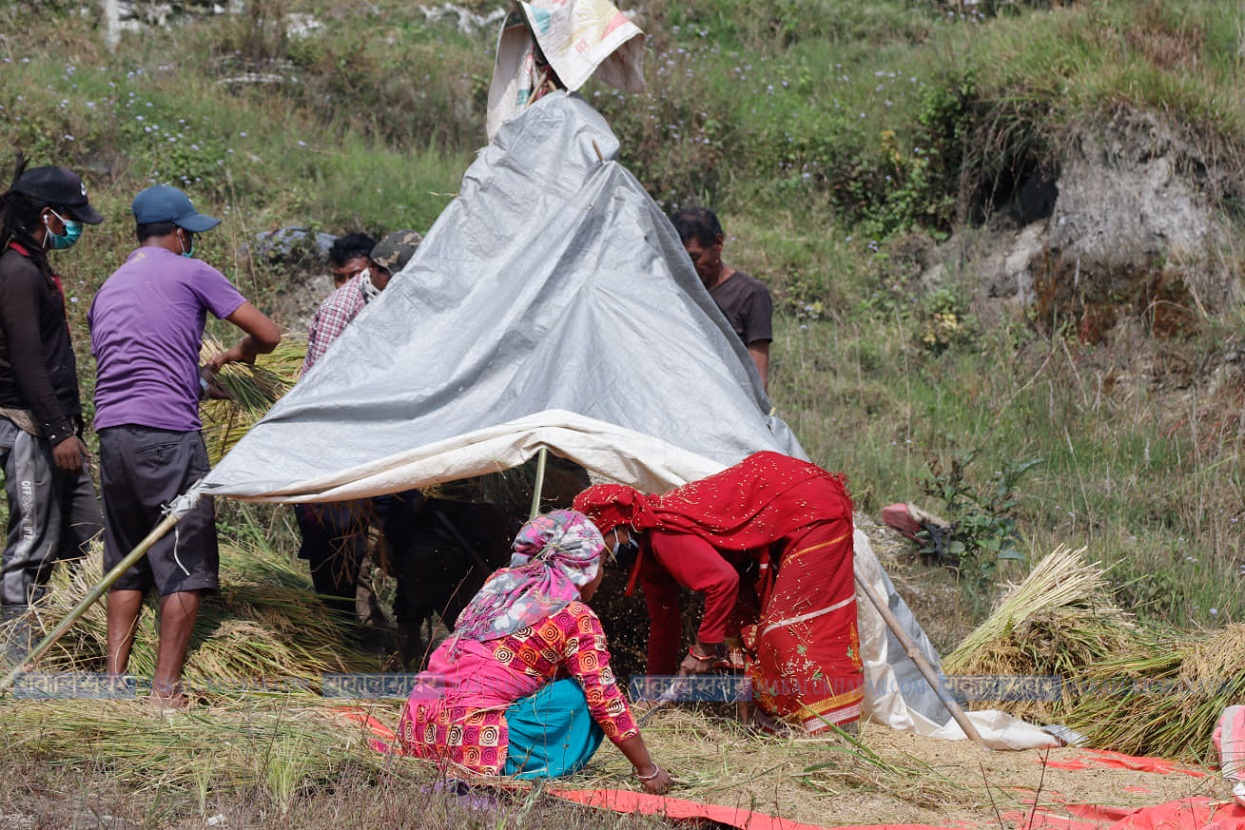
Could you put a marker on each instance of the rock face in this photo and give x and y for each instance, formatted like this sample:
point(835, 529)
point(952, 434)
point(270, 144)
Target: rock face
point(158, 12)
point(1131, 193)
point(1136, 229)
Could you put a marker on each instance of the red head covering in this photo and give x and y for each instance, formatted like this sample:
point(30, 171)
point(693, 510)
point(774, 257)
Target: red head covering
point(611, 505)
point(760, 500)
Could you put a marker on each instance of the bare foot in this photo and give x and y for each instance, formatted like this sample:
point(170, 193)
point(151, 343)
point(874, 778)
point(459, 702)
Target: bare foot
point(168, 696)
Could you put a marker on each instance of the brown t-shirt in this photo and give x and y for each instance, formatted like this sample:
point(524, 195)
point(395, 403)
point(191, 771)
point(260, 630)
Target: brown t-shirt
point(746, 303)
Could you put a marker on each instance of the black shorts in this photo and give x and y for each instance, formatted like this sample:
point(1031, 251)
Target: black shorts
point(142, 469)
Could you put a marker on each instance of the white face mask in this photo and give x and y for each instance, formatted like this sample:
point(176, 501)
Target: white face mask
point(370, 291)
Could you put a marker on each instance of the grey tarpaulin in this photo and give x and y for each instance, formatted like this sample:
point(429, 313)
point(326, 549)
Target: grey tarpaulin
point(552, 284)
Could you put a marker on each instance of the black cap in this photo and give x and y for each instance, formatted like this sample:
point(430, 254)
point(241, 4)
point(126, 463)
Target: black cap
point(59, 187)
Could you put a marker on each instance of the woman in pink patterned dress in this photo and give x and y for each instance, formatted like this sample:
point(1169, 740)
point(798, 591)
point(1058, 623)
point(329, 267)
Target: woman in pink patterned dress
point(524, 686)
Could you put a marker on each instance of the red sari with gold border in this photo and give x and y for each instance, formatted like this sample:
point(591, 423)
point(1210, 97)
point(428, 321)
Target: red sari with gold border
point(796, 519)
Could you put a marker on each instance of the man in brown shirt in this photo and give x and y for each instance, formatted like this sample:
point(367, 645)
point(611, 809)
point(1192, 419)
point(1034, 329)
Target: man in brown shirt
point(744, 300)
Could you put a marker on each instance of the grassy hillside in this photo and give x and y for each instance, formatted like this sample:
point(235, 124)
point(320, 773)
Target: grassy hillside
point(838, 139)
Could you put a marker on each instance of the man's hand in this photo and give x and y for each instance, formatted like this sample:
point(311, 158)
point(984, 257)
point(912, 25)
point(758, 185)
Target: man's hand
point(213, 389)
point(70, 455)
point(238, 353)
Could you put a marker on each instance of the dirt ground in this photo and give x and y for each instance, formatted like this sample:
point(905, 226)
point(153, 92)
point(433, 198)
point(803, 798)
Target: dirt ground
point(894, 777)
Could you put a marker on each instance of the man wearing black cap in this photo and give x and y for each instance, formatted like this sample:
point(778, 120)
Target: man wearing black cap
point(146, 330)
point(52, 507)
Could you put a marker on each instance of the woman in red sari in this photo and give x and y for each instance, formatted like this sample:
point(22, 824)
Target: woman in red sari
point(769, 544)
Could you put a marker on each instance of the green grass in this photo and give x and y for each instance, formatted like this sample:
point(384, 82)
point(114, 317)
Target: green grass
point(839, 140)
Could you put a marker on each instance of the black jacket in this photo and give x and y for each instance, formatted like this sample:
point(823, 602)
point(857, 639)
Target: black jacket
point(38, 370)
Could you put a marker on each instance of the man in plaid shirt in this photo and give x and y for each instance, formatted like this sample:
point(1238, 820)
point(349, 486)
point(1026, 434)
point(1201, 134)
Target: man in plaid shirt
point(334, 534)
point(389, 256)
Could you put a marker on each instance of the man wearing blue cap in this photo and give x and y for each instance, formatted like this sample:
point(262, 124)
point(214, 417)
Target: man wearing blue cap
point(52, 507)
point(146, 331)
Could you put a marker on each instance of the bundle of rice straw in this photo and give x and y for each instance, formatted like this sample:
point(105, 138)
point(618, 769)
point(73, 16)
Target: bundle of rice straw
point(1055, 623)
point(1165, 702)
point(274, 749)
point(265, 629)
point(252, 388)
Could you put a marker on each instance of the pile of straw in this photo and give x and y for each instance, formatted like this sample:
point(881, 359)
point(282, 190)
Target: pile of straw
point(264, 627)
point(1060, 620)
point(280, 748)
point(252, 388)
point(1166, 702)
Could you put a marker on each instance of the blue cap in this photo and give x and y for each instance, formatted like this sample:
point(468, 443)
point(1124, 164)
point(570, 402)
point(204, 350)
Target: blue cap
point(168, 204)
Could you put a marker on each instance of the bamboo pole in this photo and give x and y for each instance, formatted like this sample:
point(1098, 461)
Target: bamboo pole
point(915, 655)
point(541, 458)
point(112, 576)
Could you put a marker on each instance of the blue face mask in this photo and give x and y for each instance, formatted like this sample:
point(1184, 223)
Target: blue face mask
point(59, 242)
point(188, 252)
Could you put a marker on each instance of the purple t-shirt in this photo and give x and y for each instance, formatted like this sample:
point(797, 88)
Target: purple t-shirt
point(146, 328)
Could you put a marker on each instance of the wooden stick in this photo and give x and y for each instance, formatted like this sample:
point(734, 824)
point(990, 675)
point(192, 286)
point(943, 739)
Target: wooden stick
point(541, 458)
point(112, 576)
point(914, 654)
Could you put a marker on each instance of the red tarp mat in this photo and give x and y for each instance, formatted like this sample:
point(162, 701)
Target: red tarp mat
point(626, 801)
point(1101, 758)
point(1184, 814)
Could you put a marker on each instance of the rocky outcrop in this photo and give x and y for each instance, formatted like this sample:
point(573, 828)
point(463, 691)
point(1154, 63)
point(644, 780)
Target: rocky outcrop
point(1137, 228)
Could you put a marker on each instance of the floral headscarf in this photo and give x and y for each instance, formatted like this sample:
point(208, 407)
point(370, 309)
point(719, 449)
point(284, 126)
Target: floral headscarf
point(553, 556)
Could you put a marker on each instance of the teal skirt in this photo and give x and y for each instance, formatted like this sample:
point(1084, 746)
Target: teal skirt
point(552, 733)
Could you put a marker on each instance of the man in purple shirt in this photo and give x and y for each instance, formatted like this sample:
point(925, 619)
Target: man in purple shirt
point(146, 329)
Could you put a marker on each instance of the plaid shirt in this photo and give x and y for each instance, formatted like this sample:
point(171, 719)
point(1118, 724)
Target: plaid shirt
point(331, 319)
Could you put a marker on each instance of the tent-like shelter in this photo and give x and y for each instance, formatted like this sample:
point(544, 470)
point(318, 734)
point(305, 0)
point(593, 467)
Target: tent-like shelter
point(551, 306)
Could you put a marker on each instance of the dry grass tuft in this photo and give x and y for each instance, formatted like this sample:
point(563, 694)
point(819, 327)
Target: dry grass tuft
point(1058, 621)
point(253, 389)
point(1165, 703)
point(285, 748)
point(265, 626)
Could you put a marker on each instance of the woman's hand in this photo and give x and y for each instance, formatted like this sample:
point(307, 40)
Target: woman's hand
point(655, 779)
point(700, 658)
